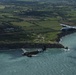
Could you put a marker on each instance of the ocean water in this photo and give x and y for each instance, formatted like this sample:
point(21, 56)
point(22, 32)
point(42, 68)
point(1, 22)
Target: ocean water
point(51, 62)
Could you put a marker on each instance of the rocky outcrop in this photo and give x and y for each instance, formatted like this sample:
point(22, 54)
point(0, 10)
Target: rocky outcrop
point(64, 33)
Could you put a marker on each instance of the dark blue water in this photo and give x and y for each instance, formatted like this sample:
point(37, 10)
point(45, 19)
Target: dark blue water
point(51, 62)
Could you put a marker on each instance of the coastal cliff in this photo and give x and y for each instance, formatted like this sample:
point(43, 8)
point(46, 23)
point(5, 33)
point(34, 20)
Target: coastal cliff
point(64, 33)
point(30, 45)
point(37, 45)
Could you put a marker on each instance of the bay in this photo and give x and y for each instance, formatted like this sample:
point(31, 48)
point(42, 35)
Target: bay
point(51, 62)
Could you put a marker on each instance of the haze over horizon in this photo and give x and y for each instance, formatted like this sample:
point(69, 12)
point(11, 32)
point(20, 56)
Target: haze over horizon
point(44, 0)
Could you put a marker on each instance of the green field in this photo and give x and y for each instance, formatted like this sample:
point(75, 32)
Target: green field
point(2, 7)
point(31, 21)
point(47, 29)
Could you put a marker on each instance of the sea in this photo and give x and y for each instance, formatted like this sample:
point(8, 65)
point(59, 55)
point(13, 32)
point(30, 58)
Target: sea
point(53, 61)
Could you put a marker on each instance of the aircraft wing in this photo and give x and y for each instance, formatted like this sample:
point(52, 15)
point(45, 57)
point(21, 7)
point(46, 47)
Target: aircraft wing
point(24, 50)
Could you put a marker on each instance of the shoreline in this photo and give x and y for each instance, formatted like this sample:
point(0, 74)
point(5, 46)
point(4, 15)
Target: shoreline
point(30, 45)
point(4, 46)
point(66, 32)
point(11, 46)
point(62, 34)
